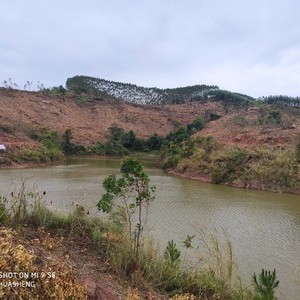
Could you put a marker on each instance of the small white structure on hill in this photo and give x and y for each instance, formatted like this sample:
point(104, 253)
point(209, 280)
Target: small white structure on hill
point(2, 148)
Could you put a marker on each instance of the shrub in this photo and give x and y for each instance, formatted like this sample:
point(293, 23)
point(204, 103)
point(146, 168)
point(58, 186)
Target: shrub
point(273, 117)
point(207, 143)
point(172, 253)
point(265, 285)
point(38, 155)
point(195, 126)
point(240, 121)
point(154, 142)
point(228, 165)
point(275, 169)
point(51, 140)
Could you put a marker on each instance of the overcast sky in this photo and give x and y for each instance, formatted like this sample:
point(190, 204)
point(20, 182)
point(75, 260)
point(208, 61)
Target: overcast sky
point(251, 47)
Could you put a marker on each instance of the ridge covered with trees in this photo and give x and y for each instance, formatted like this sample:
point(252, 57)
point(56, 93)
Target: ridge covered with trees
point(144, 95)
point(133, 93)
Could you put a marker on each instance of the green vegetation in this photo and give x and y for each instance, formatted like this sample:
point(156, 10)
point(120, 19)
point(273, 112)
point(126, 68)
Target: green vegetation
point(39, 154)
point(265, 285)
point(270, 117)
point(226, 97)
point(261, 168)
point(121, 143)
point(178, 144)
point(59, 91)
point(227, 166)
point(52, 140)
point(95, 87)
point(186, 94)
point(297, 150)
point(135, 193)
point(282, 100)
point(53, 147)
point(117, 142)
point(68, 147)
point(172, 253)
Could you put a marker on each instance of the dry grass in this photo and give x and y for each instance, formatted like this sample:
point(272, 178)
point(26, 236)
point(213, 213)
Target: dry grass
point(53, 280)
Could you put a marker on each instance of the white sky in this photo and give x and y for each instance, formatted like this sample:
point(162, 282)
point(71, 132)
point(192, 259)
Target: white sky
point(251, 47)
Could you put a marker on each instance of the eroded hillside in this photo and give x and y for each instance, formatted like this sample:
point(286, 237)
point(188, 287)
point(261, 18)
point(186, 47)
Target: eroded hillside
point(23, 113)
point(255, 126)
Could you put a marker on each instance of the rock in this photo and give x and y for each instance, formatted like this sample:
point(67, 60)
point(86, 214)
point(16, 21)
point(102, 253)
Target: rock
point(97, 291)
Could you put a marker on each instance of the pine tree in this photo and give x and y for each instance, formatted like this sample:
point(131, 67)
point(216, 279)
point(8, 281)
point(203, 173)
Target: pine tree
point(298, 150)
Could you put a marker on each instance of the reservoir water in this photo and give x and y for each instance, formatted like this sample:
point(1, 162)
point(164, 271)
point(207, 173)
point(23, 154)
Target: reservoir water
point(263, 227)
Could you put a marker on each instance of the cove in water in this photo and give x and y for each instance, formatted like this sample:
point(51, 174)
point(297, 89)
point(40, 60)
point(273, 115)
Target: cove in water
point(264, 227)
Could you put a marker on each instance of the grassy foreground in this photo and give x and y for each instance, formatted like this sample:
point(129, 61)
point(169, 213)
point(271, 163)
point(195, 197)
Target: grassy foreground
point(28, 229)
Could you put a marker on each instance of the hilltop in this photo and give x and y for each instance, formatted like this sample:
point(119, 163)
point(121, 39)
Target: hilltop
point(136, 94)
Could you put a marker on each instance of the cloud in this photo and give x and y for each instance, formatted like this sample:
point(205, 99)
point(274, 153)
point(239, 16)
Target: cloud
point(247, 46)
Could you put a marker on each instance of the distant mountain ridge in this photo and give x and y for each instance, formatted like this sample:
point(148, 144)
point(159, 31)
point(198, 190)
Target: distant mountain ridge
point(137, 94)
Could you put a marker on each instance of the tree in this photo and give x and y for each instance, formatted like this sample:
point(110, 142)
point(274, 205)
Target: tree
point(129, 139)
point(298, 150)
point(114, 145)
point(178, 135)
point(115, 133)
point(67, 146)
point(195, 126)
point(135, 194)
point(154, 142)
point(139, 145)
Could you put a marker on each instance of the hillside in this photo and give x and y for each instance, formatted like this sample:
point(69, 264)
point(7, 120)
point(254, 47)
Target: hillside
point(136, 94)
point(23, 113)
point(254, 126)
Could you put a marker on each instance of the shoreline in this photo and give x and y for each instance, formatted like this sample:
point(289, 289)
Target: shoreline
point(14, 165)
point(26, 165)
point(207, 179)
point(190, 175)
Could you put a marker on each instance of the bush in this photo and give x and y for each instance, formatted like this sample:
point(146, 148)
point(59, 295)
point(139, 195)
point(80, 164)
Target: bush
point(195, 126)
point(98, 149)
point(265, 285)
point(273, 117)
point(38, 155)
point(227, 166)
point(51, 140)
point(240, 121)
point(275, 169)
